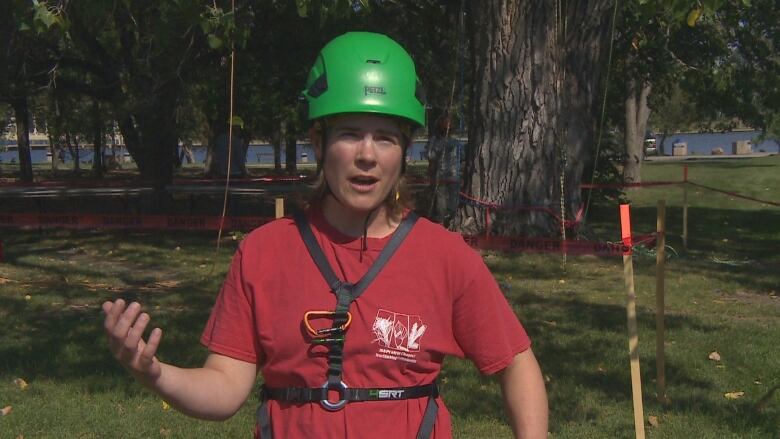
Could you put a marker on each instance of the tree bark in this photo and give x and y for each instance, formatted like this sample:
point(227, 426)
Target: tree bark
point(131, 137)
point(532, 115)
point(23, 138)
point(277, 146)
point(291, 153)
point(73, 148)
point(53, 150)
point(637, 113)
point(97, 141)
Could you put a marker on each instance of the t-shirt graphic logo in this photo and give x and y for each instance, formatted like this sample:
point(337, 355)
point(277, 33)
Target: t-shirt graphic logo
point(398, 331)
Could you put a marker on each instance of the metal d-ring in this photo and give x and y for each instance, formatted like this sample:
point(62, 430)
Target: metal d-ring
point(334, 406)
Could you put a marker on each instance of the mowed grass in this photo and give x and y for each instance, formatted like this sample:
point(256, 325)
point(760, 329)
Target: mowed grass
point(721, 296)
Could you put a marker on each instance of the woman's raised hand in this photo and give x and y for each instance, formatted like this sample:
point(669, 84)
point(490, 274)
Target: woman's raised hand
point(125, 325)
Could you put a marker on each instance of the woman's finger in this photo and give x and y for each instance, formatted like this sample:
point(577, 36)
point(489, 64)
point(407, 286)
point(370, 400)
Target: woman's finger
point(148, 352)
point(136, 332)
point(126, 321)
point(113, 311)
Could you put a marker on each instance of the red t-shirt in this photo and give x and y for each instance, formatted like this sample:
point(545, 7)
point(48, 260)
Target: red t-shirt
point(435, 297)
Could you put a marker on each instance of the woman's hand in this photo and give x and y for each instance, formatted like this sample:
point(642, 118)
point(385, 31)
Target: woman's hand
point(125, 326)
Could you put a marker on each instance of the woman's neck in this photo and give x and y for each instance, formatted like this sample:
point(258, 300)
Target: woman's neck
point(352, 223)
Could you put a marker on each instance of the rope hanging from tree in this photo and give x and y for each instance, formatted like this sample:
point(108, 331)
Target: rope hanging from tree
point(603, 108)
point(559, 70)
point(230, 131)
point(450, 106)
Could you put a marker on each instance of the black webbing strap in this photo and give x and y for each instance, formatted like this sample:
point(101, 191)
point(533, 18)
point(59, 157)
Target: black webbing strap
point(429, 419)
point(346, 293)
point(316, 394)
point(290, 394)
point(322, 263)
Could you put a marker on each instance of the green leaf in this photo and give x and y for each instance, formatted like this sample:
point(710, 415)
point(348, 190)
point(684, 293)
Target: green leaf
point(237, 121)
point(45, 16)
point(303, 7)
point(214, 41)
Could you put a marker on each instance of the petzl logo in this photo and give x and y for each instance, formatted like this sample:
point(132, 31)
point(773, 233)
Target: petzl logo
point(367, 90)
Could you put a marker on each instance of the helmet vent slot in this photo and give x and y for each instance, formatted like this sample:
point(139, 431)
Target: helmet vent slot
point(319, 86)
point(373, 61)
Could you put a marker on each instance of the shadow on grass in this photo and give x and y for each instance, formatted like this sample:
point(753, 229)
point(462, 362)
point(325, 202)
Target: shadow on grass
point(736, 245)
point(66, 342)
point(57, 334)
point(584, 355)
point(740, 163)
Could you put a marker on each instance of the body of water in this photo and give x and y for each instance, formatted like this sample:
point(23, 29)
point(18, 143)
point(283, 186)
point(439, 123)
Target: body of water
point(704, 143)
point(698, 144)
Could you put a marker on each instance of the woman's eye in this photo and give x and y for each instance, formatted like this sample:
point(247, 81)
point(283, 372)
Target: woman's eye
point(386, 140)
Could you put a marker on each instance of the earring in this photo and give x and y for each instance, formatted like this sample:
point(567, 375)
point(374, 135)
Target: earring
point(397, 195)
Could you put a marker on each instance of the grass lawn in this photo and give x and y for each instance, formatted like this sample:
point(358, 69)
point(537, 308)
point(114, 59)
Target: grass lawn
point(721, 296)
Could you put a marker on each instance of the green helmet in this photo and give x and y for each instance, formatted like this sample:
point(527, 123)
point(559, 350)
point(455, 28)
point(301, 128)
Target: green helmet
point(364, 72)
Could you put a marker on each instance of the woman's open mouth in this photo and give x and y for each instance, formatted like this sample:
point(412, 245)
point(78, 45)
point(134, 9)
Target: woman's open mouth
point(363, 183)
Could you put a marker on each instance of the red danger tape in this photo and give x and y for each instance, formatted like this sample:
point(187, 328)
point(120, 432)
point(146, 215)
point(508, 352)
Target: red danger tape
point(735, 194)
point(547, 245)
point(247, 223)
point(625, 185)
point(142, 222)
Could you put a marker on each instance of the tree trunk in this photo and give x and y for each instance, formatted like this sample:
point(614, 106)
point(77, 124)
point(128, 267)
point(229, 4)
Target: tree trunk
point(97, 141)
point(152, 140)
point(131, 137)
point(53, 150)
point(73, 147)
point(291, 153)
point(23, 139)
point(637, 113)
point(276, 143)
point(533, 104)
point(278, 154)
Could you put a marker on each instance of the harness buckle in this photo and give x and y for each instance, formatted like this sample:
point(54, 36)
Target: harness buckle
point(341, 387)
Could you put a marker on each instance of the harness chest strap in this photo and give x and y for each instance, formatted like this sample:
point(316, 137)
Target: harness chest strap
point(346, 293)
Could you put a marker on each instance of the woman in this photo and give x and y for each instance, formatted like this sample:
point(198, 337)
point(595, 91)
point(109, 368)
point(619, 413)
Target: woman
point(348, 310)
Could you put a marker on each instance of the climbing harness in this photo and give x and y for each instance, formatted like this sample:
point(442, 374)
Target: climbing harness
point(334, 337)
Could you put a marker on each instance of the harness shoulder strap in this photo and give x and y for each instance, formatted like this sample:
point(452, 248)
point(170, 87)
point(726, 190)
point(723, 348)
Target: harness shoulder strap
point(315, 250)
point(324, 266)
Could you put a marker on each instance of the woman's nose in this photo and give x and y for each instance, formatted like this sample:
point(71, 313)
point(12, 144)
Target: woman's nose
point(366, 151)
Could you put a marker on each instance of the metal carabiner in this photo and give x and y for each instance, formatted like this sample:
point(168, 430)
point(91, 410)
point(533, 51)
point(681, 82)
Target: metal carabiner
point(341, 387)
point(318, 333)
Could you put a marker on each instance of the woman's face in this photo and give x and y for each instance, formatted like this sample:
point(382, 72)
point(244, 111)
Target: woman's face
point(362, 161)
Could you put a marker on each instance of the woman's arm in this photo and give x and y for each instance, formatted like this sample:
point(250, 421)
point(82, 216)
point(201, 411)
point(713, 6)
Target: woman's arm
point(215, 391)
point(525, 396)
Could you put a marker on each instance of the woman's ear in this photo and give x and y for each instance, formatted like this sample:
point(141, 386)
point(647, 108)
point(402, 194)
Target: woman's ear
point(315, 137)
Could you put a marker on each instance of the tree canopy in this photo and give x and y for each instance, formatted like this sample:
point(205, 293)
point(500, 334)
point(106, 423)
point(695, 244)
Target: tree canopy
point(532, 75)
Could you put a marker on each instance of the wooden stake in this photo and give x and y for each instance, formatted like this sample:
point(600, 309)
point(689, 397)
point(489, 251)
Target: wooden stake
point(633, 336)
point(660, 268)
point(685, 207)
point(685, 217)
point(279, 207)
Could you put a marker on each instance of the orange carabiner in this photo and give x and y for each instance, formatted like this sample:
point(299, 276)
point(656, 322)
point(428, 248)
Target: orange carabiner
point(317, 333)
